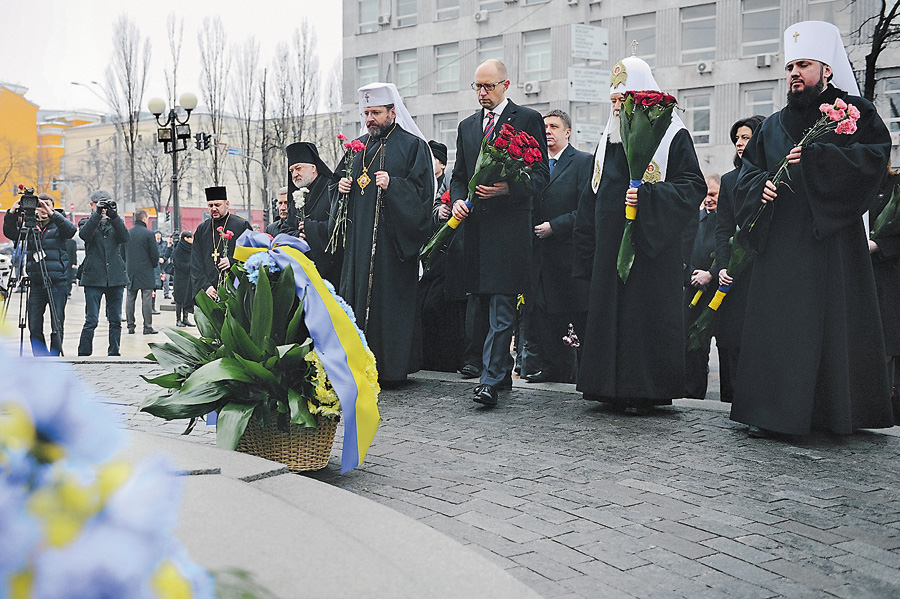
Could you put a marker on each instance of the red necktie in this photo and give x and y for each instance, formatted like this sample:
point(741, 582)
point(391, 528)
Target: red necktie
point(489, 128)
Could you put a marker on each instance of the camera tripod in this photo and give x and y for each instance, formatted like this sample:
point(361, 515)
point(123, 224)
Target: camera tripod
point(29, 239)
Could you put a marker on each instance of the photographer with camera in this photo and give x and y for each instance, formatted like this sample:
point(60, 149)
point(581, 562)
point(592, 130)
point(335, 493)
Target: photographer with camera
point(103, 270)
point(43, 233)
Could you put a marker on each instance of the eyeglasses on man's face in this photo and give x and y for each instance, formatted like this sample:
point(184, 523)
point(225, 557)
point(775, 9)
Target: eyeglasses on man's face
point(488, 87)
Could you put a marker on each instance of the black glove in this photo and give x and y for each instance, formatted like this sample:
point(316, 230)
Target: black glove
point(112, 213)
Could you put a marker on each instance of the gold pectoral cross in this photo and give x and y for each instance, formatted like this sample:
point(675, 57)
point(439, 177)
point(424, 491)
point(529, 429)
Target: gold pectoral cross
point(363, 181)
point(215, 255)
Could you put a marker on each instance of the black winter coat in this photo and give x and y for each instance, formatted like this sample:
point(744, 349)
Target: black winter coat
point(141, 257)
point(53, 236)
point(104, 254)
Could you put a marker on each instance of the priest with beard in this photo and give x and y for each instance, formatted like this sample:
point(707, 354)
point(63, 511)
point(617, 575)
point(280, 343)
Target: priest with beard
point(391, 192)
point(633, 344)
point(812, 352)
point(211, 253)
point(309, 211)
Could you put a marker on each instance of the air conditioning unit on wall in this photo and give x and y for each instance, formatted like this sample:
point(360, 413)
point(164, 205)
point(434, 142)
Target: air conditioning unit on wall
point(481, 16)
point(764, 60)
point(704, 67)
point(531, 88)
point(384, 19)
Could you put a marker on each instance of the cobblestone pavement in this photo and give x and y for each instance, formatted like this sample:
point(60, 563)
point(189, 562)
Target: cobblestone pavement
point(580, 501)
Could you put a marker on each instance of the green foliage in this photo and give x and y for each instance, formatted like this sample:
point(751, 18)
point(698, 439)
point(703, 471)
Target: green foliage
point(249, 361)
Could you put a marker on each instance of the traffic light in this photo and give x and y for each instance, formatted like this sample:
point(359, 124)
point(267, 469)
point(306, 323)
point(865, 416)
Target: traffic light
point(198, 141)
point(206, 139)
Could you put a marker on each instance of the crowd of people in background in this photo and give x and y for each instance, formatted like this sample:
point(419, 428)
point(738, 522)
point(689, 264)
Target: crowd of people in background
point(806, 335)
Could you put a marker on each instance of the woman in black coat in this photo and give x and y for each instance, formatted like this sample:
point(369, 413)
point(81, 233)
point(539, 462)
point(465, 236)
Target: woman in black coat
point(181, 259)
point(885, 253)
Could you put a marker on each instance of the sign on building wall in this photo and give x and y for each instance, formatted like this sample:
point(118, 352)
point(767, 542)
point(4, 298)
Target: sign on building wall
point(590, 42)
point(588, 85)
point(588, 133)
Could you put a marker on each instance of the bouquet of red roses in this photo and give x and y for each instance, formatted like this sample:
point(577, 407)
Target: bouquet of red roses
point(508, 158)
point(645, 118)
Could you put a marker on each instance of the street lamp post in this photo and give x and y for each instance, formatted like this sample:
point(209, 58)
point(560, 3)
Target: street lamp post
point(170, 133)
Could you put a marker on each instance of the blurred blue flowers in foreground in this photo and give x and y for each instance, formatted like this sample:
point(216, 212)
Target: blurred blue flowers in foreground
point(72, 522)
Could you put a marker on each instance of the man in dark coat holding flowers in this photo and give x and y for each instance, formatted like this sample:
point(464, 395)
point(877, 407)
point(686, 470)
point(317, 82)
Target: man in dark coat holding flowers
point(812, 353)
point(498, 230)
point(633, 344)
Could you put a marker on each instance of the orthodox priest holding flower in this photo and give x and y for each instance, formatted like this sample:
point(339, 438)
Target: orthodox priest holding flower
point(812, 351)
point(633, 344)
point(214, 241)
point(390, 195)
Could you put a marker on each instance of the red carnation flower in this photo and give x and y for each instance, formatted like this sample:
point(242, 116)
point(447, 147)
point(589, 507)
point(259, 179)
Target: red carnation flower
point(515, 151)
point(501, 143)
point(507, 130)
point(445, 197)
point(528, 158)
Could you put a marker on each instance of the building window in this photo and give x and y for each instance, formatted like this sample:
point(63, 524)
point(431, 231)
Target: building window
point(190, 189)
point(368, 16)
point(698, 33)
point(367, 69)
point(536, 51)
point(696, 104)
point(405, 12)
point(832, 11)
point(491, 5)
point(406, 65)
point(528, 2)
point(446, 74)
point(890, 100)
point(446, 9)
point(642, 28)
point(490, 47)
point(758, 98)
point(760, 26)
point(445, 132)
point(88, 143)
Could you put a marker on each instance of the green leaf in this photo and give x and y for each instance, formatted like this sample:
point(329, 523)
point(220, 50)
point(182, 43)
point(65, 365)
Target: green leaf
point(296, 325)
point(171, 380)
point(200, 350)
point(231, 424)
point(169, 356)
point(189, 404)
point(300, 410)
point(257, 371)
point(237, 339)
point(223, 369)
point(625, 258)
point(261, 315)
point(284, 294)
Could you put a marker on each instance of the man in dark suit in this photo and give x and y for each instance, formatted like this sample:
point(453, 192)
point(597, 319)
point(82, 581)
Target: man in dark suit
point(498, 231)
point(141, 260)
point(556, 299)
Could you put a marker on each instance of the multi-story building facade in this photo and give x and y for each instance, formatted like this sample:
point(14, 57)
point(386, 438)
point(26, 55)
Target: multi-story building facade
point(722, 59)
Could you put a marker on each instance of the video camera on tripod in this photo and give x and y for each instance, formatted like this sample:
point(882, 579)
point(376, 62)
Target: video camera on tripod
point(28, 205)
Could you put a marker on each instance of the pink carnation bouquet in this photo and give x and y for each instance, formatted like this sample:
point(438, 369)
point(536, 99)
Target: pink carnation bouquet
point(351, 149)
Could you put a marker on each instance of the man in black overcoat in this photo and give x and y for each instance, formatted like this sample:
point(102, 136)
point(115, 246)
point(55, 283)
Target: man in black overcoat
point(556, 299)
point(498, 230)
point(141, 261)
point(812, 352)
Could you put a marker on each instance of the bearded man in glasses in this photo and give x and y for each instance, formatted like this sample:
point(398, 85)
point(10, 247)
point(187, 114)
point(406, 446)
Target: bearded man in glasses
point(497, 232)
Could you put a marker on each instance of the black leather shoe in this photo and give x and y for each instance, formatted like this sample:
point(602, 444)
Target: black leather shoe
point(150, 331)
point(178, 323)
point(131, 330)
point(469, 371)
point(486, 395)
point(541, 376)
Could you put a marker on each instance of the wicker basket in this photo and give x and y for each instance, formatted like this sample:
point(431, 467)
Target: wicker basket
point(300, 449)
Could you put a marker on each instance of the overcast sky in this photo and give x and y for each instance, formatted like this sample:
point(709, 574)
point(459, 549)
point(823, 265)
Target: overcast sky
point(50, 43)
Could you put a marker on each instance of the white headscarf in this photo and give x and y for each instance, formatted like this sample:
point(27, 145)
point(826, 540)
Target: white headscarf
point(818, 40)
point(386, 94)
point(633, 74)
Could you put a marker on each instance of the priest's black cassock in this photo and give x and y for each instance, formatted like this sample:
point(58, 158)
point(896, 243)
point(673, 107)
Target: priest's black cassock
point(206, 238)
point(316, 214)
point(403, 227)
point(812, 352)
point(633, 346)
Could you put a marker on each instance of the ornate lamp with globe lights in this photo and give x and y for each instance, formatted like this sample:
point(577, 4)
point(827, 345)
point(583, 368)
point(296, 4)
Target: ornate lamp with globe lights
point(174, 134)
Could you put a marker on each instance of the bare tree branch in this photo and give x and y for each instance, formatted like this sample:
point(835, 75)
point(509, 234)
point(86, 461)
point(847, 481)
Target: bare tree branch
point(215, 64)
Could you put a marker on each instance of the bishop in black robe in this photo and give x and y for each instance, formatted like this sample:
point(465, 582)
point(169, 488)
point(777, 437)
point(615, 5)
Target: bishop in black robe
point(403, 226)
point(633, 345)
point(812, 352)
point(207, 239)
